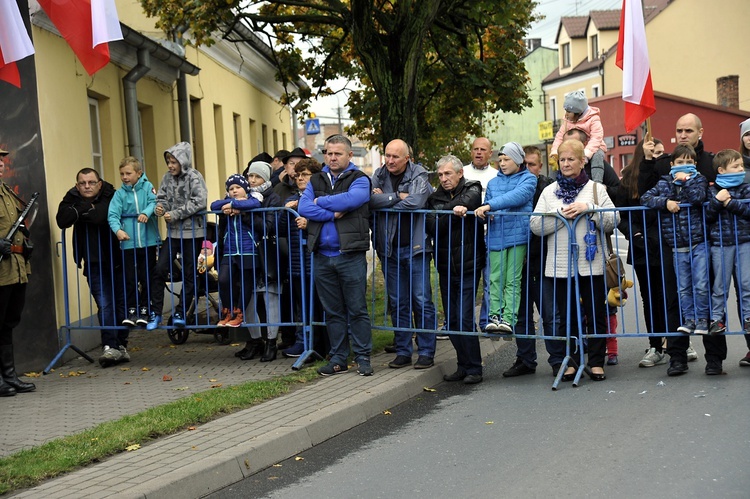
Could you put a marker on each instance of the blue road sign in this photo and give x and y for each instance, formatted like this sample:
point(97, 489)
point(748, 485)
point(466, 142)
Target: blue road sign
point(312, 126)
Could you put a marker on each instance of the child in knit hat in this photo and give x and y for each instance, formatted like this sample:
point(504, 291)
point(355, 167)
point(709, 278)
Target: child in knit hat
point(507, 236)
point(578, 114)
point(236, 249)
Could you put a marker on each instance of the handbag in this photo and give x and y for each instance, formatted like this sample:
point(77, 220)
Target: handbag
point(269, 259)
point(614, 270)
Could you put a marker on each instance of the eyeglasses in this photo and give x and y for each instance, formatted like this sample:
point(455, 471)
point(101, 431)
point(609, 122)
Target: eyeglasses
point(90, 183)
point(304, 175)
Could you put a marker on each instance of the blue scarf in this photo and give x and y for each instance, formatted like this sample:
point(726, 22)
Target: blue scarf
point(727, 180)
point(568, 188)
point(689, 169)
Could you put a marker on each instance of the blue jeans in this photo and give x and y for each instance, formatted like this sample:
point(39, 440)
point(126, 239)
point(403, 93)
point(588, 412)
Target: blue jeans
point(539, 291)
point(341, 283)
point(691, 268)
point(407, 281)
point(726, 263)
point(458, 293)
point(105, 282)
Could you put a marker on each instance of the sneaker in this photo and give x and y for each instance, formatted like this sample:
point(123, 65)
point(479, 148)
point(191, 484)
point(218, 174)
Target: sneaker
point(505, 327)
point(227, 316)
point(713, 367)
point(423, 362)
point(493, 324)
point(745, 361)
point(153, 322)
point(688, 327)
point(612, 359)
point(677, 368)
point(691, 354)
point(399, 362)
point(131, 319)
point(518, 369)
point(652, 358)
point(125, 355)
point(701, 326)
point(330, 369)
point(178, 320)
point(363, 367)
point(142, 317)
point(442, 337)
point(294, 351)
point(716, 327)
point(110, 356)
point(236, 321)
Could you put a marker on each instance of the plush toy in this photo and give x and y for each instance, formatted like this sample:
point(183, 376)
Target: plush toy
point(617, 296)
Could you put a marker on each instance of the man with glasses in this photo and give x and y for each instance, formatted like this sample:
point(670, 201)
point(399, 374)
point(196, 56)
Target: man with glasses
point(95, 247)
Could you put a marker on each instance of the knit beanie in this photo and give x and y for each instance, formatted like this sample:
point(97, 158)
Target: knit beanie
point(237, 179)
point(576, 102)
point(744, 128)
point(514, 151)
point(261, 169)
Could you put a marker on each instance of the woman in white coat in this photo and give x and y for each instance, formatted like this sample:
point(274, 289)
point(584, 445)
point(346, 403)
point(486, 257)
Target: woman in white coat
point(571, 195)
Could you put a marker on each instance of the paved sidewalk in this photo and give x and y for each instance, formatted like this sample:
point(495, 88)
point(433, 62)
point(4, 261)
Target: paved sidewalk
point(80, 395)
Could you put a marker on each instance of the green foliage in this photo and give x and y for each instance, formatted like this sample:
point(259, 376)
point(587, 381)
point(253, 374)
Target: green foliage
point(428, 70)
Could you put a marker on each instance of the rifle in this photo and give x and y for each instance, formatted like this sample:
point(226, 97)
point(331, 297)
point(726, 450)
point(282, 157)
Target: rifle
point(19, 223)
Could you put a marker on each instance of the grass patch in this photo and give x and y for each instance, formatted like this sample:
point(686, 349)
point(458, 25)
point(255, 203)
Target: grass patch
point(29, 467)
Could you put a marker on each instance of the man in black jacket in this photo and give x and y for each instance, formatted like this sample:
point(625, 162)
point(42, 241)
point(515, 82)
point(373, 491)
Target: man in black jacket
point(461, 256)
point(97, 250)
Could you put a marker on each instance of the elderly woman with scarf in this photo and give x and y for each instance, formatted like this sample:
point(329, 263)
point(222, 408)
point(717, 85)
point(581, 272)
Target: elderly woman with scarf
point(572, 195)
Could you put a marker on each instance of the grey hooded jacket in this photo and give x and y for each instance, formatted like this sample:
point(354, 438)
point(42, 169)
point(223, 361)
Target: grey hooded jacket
point(183, 196)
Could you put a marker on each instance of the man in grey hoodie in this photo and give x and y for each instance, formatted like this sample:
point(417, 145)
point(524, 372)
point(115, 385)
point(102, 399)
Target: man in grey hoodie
point(182, 196)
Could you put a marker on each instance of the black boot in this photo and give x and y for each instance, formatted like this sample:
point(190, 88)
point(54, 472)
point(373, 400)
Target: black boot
point(9, 371)
point(253, 348)
point(269, 353)
point(6, 390)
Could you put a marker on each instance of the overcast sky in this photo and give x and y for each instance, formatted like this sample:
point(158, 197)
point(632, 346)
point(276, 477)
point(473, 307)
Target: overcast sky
point(546, 29)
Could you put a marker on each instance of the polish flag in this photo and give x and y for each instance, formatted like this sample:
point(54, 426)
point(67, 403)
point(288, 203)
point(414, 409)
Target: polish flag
point(88, 26)
point(632, 58)
point(15, 43)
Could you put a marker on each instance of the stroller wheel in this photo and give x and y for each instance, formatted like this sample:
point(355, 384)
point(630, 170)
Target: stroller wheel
point(221, 335)
point(178, 336)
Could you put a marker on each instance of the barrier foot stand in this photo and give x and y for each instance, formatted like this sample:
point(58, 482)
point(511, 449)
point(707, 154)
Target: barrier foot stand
point(558, 378)
point(300, 362)
point(68, 344)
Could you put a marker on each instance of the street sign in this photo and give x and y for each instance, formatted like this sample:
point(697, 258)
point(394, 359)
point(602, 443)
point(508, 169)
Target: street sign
point(312, 126)
point(546, 131)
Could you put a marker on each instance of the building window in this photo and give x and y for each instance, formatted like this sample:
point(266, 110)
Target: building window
point(594, 47)
point(237, 139)
point(275, 140)
point(283, 141)
point(565, 49)
point(553, 108)
point(96, 136)
point(264, 138)
point(595, 91)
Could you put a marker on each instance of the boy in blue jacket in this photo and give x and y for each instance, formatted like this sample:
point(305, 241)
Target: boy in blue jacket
point(512, 191)
point(683, 231)
point(131, 218)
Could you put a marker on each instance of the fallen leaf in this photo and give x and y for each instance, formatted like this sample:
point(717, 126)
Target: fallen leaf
point(127, 382)
point(166, 377)
point(133, 447)
point(81, 372)
point(273, 478)
point(217, 385)
point(234, 344)
point(32, 375)
point(489, 422)
point(172, 346)
point(247, 464)
point(95, 439)
point(298, 458)
point(194, 447)
point(145, 368)
point(277, 465)
point(428, 389)
point(213, 380)
point(191, 428)
point(73, 373)
point(181, 389)
point(387, 412)
point(135, 349)
point(124, 369)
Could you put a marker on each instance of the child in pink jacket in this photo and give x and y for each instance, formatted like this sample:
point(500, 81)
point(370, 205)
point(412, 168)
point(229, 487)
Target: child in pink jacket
point(578, 114)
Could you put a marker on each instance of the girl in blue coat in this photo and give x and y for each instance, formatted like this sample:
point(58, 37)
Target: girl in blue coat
point(511, 191)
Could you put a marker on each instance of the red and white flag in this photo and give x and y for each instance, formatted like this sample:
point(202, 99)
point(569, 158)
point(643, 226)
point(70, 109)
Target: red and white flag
point(632, 58)
point(15, 43)
point(88, 26)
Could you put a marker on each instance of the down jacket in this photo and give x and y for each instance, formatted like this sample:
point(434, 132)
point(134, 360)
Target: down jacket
point(730, 224)
point(135, 200)
point(589, 122)
point(683, 229)
point(510, 193)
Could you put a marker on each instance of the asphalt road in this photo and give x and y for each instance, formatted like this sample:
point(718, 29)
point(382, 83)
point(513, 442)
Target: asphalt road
point(639, 433)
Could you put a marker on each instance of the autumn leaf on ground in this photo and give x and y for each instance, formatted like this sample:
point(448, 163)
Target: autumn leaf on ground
point(489, 422)
point(135, 349)
point(387, 412)
point(277, 465)
point(299, 458)
point(213, 380)
point(145, 368)
point(234, 345)
point(180, 389)
point(133, 447)
point(124, 369)
point(127, 382)
point(32, 374)
point(166, 377)
point(428, 389)
point(217, 385)
point(191, 428)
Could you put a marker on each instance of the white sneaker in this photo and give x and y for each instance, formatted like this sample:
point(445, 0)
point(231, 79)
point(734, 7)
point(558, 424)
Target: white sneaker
point(493, 324)
point(692, 354)
point(652, 358)
point(110, 356)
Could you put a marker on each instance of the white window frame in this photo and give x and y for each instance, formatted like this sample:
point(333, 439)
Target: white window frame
point(97, 161)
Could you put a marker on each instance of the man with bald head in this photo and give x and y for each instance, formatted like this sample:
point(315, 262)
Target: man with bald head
point(405, 252)
point(688, 131)
point(480, 169)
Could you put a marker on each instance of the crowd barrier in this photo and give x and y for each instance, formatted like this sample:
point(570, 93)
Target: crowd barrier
point(537, 298)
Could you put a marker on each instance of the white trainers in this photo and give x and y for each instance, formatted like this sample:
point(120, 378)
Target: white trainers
point(692, 354)
point(110, 356)
point(493, 324)
point(652, 358)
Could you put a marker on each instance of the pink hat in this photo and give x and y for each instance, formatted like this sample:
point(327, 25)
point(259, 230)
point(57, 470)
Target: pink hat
point(207, 245)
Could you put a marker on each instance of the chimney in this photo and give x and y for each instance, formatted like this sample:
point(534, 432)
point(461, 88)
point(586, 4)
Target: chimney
point(728, 91)
point(532, 44)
